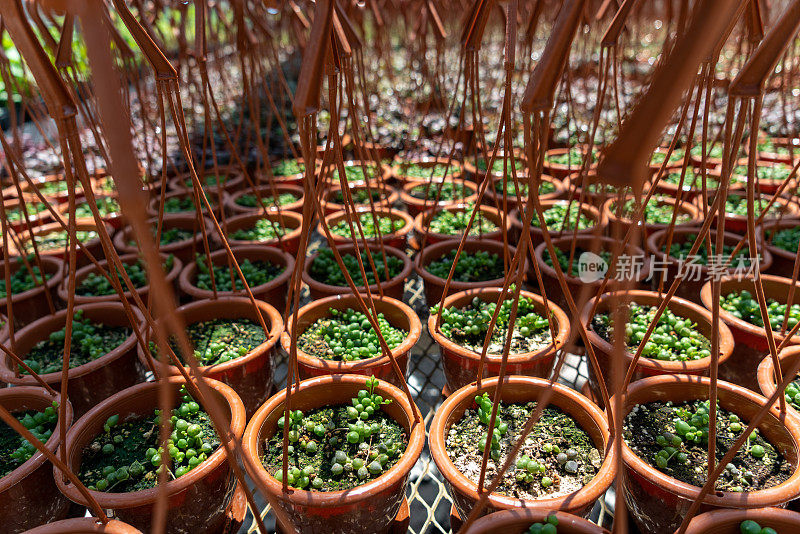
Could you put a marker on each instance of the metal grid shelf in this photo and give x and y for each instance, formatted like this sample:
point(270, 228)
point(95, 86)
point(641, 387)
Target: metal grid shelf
point(428, 500)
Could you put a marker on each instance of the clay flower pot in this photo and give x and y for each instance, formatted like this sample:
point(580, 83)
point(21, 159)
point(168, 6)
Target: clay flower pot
point(766, 375)
point(461, 364)
point(35, 219)
point(618, 225)
point(331, 179)
point(197, 500)
point(738, 223)
point(366, 508)
point(659, 502)
point(85, 525)
point(126, 259)
point(394, 287)
point(273, 292)
point(477, 175)
point(692, 183)
point(399, 170)
point(675, 163)
point(512, 201)
point(523, 389)
point(396, 239)
point(782, 260)
point(29, 494)
point(54, 198)
point(93, 381)
point(416, 205)
point(429, 237)
point(696, 275)
point(751, 340)
point(126, 243)
point(595, 193)
point(397, 314)
point(560, 170)
point(289, 242)
point(728, 521)
point(537, 237)
point(31, 304)
point(645, 367)
point(267, 193)
point(289, 179)
point(250, 376)
point(518, 521)
point(232, 182)
point(387, 197)
point(82, 225)
point(154, 203)
point(434, 286)
point(584, 289)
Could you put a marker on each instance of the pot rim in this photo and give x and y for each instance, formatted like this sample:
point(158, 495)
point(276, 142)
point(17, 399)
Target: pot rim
point(336, 216)
point(507, 519)
point(776, 224)
point(350, 249)
point(497, 196)
point(172, 487)
point(152, 204)
point(410, 200)
point(587, 494)
point(53, 282)
point(83, 224)
point(766, 380)
point(489, 212)
point(390, 199)
point(515, 216)
point(520, 357)
point(283, 218)
point(168, 220)
point(702, 523)
point(397, 166)
point(230, 199)
point(84, 525)
point(695, 217)
point(342, 301)
point(299, 497)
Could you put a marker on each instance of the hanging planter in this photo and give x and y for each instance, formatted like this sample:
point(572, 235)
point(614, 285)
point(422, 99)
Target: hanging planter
point(324, 277)
point(196, 500)
point(656, 500)
point(770, 175)
point(574, 409)
point(680, 345)
point(91, 286)
point(265, 228)
point(425, 169)
point(559, 162)
point(595, 193)
point(478, 174)
point(550, 189)
point(180, 236)
point(53, 187)
point(28, 492)
point(28, 301)
point(448, 223)
point(104, 364)
point(560, 215)
point(266, 269)
point(676, 159)
point(107, 207)
point(383, 196)
point(394, 226)
point(657, 215)
point(740, 312)
point(532, 351)
point(321, 351)
point(38, 214)
point(230, 345)
point(368, 507)
point(51, 241)
point(289, 198)
point(180, 203)
point(229, 179)
point(287, 171)
point(419, 196)
point(692, 183)
point(354, 173)
point(581, 287)
point(481, 265)
point(780, 239)
point(519, 521)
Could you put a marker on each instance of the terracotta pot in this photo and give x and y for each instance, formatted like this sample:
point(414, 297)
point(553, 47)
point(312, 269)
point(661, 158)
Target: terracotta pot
point(751, 340)
point(767, 186)
point(398, 171)
point(658, 502)
point(54, 198)
point(289, 242)
point(766, 377)
point(397, 314)
point(518, 521)
point(388, 197)
point(434, 286)
point(233, 180)
point(267, 193)
point(696, 275)
point(85, 525)
point(475, 174)
point(31, 304)
point(250, 376)
point(519, 389)
point(782, 260)
point(579, 289)
point(273, 292)
point(591, 195)
point(692, 184)
point(197, 500)
point(366, 508)
point(728, 521)
point(35, 219)
point(619, 225)
point(184, 250)
point(29, 494)
point(154, 203)
point(93, 381)
point(676, 164)
point(291, 179)
point(382, 174)
point(114, 220)
point(126, 259)
point(425, 235)
point(645, 367)
point(394, 287)
point(416, 205)
point(396, 239)
point(82, 225)
point(738, 223)
point(560, 170)
point(536, 233)
point(495, 198)
point(461, 364)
